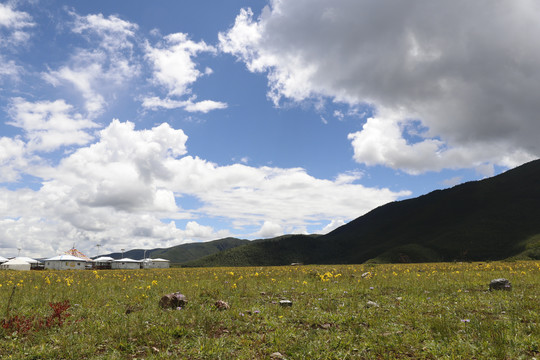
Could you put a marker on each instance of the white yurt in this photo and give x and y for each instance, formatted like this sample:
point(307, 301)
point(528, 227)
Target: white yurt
point(103, 262)
point(65, 262)
point(126, 263)
point(34, 264)
point(15, 264)
point(156, 263)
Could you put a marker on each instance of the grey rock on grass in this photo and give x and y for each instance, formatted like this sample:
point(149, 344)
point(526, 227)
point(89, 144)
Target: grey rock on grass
point(173, 301)
point(500, 284)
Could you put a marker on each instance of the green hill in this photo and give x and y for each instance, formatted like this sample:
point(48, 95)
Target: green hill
point(282, 250)
point(181, 254)
point(491, 219)
point(187, 252)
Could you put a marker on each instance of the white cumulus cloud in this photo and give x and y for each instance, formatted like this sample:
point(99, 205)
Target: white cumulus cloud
point(468, 72)
point(173, 64)
point(8, 68)
point(13, 25)
point(334, 224)
point(381, 141)
point(289, 197)
point(175, 70)
point(127, 190)
point(112, 32)
point(49, 125)
point(204, 106)
point(108, 64)
point(269, 229)
point(12, 158)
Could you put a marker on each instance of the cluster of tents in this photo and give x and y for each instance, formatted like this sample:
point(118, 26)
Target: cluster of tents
point(18, 263)
point(70, 261)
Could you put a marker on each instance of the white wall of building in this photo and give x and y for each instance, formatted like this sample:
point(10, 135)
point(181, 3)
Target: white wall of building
point(65, 265)
point(156, 264)
point(126, 264)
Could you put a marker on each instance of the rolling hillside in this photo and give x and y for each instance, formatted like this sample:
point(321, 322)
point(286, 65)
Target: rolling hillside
point(181, 254)
point(491, 219)
point(282, 250)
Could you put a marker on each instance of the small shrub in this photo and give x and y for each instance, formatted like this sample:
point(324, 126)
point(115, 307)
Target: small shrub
point(26, 324)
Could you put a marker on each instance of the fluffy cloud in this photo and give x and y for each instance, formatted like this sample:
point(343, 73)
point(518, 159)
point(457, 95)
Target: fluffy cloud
point(13, 19)
point(110, 193)
point(113, 59)
point(48, 223)
point(112, 32)
point(109, 65)
point(284, 197)
point(8, 68)
point(173, 65)
point(270, 229)
point(198, 231)
point(204, 106)
point(12, 158)
point(175, 70)
point(82, 76)
point(118, 191)
point(334, 224)
point(467, 71)
point(123, 163)
point(12, 25)
point(382, 141)
point(49, 125)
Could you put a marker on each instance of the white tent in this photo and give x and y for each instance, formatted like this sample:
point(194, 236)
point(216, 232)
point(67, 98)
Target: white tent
point(27, 259)
point(104, 259)
point(3, 259)
point(126, 263)
point(15, 264)
point(103, 262)
point(34, 264)
point(156, 263)
point(65, 262)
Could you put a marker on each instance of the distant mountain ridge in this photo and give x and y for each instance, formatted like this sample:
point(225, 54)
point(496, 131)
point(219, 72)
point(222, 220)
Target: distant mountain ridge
point(491, 219)
point(181, 254)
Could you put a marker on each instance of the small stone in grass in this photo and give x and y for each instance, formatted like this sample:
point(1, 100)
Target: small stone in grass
point(370, 304)
point(221, 305)
point(500, 284)
point(285, 302)
point(173, 301)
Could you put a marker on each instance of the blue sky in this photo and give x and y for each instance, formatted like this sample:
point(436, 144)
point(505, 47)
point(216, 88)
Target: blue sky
point(151, 124)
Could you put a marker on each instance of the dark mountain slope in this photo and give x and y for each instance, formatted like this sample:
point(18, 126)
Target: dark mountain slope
point(491, 219)
point(480, 220)
point(282, 250)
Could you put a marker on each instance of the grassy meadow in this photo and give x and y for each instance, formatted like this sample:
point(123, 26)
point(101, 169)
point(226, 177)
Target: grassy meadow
point(408, 311)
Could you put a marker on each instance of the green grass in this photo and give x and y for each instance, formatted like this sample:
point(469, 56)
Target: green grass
point(425, 311)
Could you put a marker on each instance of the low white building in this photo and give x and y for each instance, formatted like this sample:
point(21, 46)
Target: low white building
point(156, 263)
point(65, 262)
point(126, 263)
point(15, 264)
point(103, 262)
point(34, 264)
